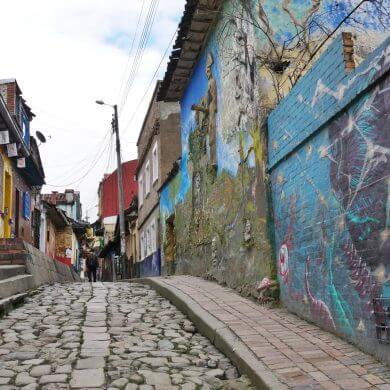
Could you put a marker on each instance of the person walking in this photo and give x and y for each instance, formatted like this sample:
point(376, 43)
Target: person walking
point(92, 266)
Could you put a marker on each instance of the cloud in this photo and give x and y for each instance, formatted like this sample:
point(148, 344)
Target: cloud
point(66, 55)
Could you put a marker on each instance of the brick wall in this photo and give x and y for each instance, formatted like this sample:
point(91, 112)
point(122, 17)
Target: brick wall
point(11, 98)
point(329, 159)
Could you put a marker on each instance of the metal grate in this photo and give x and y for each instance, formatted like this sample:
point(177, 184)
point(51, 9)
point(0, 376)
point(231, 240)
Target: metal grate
point(382, 319)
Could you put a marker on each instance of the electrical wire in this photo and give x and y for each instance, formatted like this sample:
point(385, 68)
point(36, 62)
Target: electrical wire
point(131, 50)
point(69, 173)
point(110, 153)
point(151, 83)
point(140, 51)
point(97, 158)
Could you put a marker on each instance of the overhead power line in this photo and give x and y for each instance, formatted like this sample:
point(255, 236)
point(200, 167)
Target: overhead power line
point(150, 83)
point(96, 159)
point(131, 49)
point(140, 51)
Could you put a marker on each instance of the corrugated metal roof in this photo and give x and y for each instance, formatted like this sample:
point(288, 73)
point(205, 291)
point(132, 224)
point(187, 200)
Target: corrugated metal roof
point(194, 26)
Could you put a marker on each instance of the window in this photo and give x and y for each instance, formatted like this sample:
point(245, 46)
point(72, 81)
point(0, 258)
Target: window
point(155, 163)
point(147, 178)
point(141, 190)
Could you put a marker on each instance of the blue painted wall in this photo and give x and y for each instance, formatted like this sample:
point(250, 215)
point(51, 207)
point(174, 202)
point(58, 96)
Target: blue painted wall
point(150, 266)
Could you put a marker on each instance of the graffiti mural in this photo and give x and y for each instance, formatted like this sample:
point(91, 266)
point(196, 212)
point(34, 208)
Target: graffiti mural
point(220, 198)
point(331, 196)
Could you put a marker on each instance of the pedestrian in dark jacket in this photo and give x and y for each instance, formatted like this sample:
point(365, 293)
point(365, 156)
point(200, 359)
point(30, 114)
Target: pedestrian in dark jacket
point(92, 266)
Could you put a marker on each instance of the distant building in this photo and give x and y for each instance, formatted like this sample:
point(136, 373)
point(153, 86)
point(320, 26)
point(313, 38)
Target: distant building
point(110, 252)
point(107, 225)
point(68, 201)
point(22, 174)
point(108, 196)
point(159, 146)
point(58, 238)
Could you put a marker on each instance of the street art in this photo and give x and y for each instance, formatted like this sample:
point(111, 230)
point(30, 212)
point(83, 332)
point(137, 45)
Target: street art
point(318, 308)
point(283, 263)
point(330, 188)
point(220, 198)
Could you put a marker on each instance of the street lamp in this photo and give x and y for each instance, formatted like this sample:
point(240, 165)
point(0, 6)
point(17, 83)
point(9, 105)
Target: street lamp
point(121, 201)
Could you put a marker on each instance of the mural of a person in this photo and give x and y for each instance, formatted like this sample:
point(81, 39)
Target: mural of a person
point(206, 112)
point(211, 103)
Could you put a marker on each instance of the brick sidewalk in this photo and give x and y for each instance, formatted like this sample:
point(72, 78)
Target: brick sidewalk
point(299, 353)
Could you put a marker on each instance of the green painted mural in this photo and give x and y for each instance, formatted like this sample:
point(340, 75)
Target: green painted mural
point(216, 212)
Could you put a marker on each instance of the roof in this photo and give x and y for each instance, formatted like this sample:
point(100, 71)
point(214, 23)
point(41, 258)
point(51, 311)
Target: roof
point(56, 215)
point(194, 26)
point(60, 197)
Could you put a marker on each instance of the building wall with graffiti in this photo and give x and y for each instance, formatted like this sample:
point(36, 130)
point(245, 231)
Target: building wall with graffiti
point(329, 157)
point(216, 217)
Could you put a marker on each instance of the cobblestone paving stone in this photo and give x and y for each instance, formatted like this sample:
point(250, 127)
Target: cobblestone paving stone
point(299, 353)
point(107, 336)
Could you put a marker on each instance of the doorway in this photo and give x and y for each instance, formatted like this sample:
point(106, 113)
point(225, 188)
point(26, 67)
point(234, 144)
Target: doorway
point(17, 211)
point(7, 210)
point(170, 245)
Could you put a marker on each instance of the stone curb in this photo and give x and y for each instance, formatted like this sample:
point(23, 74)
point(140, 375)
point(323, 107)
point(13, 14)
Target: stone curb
point(219, 334)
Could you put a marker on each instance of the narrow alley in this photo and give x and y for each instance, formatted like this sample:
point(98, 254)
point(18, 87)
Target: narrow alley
point(107, 336)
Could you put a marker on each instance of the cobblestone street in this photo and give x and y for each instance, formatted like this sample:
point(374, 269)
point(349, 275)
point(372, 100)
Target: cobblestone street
point(118, 336)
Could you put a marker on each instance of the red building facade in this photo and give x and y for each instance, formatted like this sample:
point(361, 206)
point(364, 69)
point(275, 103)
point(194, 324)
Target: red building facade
point(108, 190)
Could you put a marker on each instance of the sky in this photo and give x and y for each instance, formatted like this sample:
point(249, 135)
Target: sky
point(65, 55)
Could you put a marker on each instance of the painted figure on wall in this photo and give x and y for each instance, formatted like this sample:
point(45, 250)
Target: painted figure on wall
point(206, 114)
point(211, 103)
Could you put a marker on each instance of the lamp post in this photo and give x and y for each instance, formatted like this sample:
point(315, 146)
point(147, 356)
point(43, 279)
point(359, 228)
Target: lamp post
point(121, 201)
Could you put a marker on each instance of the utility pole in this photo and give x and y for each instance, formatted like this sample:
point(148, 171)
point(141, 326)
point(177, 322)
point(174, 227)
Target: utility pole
point(121, 201)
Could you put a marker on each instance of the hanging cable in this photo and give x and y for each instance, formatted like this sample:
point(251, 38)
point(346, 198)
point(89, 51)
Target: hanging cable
point(151, 83)
point(91, 167)
point(69, 173)
point(131, 50)
point(140, 51)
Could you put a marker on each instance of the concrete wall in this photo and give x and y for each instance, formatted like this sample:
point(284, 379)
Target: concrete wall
point(161, 127)
point(169, 148)
point(329, 157)
point(46, 270)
